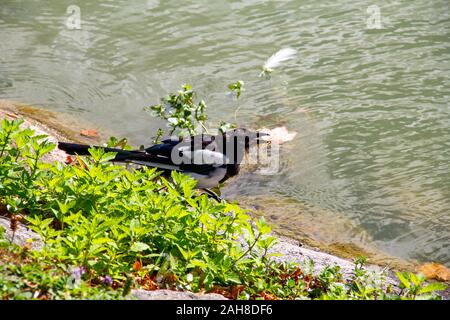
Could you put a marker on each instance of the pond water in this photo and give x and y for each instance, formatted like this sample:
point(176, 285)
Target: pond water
point(368, 97)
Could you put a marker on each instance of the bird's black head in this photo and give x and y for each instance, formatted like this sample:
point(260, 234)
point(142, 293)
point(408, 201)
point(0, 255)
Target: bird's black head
point(237, 142)
point(245, 138)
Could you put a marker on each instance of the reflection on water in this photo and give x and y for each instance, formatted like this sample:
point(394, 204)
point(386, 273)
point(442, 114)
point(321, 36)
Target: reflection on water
point(371, 106)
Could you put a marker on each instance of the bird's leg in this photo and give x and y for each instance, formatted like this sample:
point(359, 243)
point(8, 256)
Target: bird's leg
point(212, 194)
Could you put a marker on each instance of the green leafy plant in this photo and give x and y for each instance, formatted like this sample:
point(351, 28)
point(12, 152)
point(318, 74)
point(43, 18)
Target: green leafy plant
point(181, 111)
point(413, 286)
point(237, 88)
point(184, 115)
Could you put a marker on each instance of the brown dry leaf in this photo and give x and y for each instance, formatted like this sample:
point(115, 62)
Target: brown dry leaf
point(3, 210)
point(148, 283)
point(81, 163)
point(12, 115)
point(225, 291)
point(14, 222)
point(279, 135)
point(27, 246)
point(236, 290)
point(435, 271)
point(115, 285)
point(137, 266)
point(69, 160)
point(268, 296)
point(170, 278)
point(89, 133)
point(296, 274)
point(202, 291)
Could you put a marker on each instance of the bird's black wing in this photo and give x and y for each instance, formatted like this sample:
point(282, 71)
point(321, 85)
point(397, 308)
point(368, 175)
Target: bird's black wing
point(204, 169)
point(163, 149)
point(83, 150)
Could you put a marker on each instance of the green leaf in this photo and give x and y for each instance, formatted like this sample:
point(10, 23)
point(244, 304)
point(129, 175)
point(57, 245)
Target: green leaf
point(403, 280)
point(4, 243)
point(435, 286)
point(198, 263)
point(139, 247)
point(233, 278)
point(415, 280)
point(108, 156)
point(64, 208)
point(102, 240)
point(170, 236)
point(183, 252)
point(47, 147)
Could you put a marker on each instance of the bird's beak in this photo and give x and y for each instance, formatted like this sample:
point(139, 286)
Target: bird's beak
point(262, 136)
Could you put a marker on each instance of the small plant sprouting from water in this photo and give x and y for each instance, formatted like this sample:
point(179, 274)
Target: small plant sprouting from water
point(184, 115)
point(157, 137)
point(226, 126)
point(237, 88)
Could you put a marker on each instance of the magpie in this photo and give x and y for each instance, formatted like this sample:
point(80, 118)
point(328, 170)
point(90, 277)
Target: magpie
point(209, 159)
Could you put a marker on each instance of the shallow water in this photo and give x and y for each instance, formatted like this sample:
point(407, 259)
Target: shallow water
point(371, 106)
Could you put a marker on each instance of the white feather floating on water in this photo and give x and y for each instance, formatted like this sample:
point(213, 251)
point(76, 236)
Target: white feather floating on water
point(277, 58)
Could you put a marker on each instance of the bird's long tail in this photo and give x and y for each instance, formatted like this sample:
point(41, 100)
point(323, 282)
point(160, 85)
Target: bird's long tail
point(121, 155)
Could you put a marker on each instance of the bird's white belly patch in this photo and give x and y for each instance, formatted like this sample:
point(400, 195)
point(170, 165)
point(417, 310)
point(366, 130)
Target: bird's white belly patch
point(209, 181)
point(156, 165)
point(203, 180)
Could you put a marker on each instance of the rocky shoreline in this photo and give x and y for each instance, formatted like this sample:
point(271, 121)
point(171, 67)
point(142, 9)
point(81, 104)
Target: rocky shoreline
point(290, 250)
